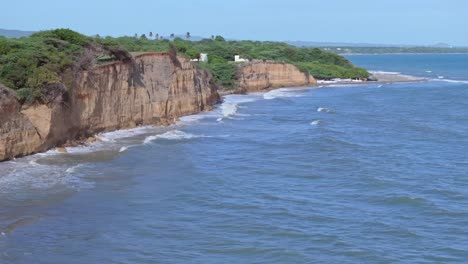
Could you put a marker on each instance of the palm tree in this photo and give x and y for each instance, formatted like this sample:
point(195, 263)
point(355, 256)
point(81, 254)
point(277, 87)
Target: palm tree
point(172, 35)
point(187, 35)
point(212, 37)
point(136, 35)
point(150, 34)
point(157, 36)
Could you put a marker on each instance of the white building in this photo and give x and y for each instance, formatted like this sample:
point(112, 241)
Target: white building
point(237, 58)
point(203, 57)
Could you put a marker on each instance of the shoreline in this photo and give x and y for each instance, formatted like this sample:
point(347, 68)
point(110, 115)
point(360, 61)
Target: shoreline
point(383, 78)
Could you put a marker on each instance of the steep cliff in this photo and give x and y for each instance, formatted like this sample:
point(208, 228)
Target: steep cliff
point(257, 76)
point(154, 88)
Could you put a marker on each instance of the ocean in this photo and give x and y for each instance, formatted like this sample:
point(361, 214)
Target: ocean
point(374, 173)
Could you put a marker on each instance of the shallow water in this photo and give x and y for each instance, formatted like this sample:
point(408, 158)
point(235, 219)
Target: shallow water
point(341, 174)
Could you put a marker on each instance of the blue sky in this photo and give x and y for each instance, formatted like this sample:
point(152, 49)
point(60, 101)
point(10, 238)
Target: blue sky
point(358, 21)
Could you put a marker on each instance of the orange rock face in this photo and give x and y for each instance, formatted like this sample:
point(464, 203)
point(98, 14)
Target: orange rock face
point(259, 76)
point(153, 89)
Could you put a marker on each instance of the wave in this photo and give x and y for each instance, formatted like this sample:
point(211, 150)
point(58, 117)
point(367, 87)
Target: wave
point(228, 109)
point(231, 104)
point(122, 149)
point(73, 168)
point(172, 135)
point(315, 122)
point(450, 81)
point(20, 176)
point(282, 92)
point(385, 72)
point(323, 110)
point(125, 133)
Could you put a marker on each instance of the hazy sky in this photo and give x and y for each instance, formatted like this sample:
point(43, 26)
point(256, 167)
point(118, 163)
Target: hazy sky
point(371, 21)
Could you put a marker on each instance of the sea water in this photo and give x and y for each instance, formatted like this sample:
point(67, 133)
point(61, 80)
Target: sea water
point(373, 173)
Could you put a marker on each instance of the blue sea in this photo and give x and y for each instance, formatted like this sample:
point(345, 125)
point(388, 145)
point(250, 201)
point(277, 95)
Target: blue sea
point(374, 173)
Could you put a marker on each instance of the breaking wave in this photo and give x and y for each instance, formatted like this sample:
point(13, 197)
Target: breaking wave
point(450, 81)
point(282, 92)
point(315, 122)
point(323, 110)
point(172, 135)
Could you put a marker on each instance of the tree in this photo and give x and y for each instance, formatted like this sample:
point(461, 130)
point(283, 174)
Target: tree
point(151, 34)
point(187, 35)
point(143, 36)
point(157, 36)
point(136, 35)
point(212, 37)
point(172, 35)
point(219, 38)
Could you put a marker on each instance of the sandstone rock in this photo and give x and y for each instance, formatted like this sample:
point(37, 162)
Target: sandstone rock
point(119, 95)
point(61, 150)
point(18, 136)
point(257, 76)
point(90, 140)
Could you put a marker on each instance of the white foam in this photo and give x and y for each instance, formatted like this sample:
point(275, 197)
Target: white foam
point(440, 77)
point(125, 133)
point(282, 92)
point(323, 109)
point(20, 176)
point(231, 104)
point(315, 122)
point(228, 109)
point(385, 72)
point(450, 81)
point(122, 149)
point(172, 135)
point(429, 71)
point(72, 169)
point(191, 118)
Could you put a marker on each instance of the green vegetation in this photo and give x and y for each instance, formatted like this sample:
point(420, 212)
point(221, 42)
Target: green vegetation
point(29, 65)
point(319, 63)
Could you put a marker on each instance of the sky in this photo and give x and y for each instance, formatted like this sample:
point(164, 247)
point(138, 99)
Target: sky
point(419, 22)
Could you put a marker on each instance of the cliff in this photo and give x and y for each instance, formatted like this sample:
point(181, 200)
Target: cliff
point(153, 88)
point(257, 76)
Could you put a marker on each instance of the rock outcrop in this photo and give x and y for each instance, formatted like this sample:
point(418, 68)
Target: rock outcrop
point(257, 76)
point(154, 88)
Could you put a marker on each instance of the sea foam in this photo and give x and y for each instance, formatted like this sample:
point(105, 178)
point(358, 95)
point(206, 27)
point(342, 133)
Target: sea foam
point(172, 135)
point(450, 81)
point(323, 109)
point(282, 92)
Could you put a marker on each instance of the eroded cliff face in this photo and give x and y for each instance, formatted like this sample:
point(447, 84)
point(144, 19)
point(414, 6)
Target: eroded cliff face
point(17, 133)
point(155, 89)
point(257, 76)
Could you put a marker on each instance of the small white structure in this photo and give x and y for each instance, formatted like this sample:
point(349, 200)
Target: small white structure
point(203, 57)
point(237, 58)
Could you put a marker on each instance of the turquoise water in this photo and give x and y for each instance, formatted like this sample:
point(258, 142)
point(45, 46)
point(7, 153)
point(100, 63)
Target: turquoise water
point(342, 174)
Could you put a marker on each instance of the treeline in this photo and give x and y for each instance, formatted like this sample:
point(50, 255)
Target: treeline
point(43, 59)
point(319, 63)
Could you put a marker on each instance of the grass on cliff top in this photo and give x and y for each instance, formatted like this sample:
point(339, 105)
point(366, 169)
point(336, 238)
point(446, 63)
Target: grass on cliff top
point(29, 64)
